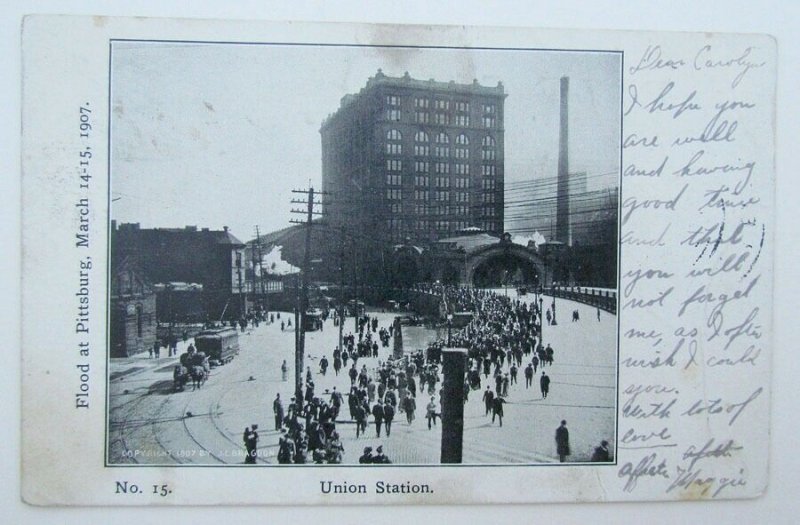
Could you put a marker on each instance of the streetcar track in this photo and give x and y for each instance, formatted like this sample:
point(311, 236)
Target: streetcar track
point(153, 429)
point(123, 426)
point(190, 433)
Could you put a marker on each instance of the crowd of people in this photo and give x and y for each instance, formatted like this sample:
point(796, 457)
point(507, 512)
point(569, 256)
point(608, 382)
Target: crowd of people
point(503, 339)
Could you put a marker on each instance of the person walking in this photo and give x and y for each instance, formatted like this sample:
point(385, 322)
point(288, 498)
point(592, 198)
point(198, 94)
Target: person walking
point(410, 408)
point(378, 413)
point(497, 409)
point(544, 384)
point(360, 416)
point(388, 416)
point(562, 441)
point(284, 371)
point(277, 410)
point(488, 398)
point(528, 375)
point(251, 444)
point(286, 449)
point(431, 412)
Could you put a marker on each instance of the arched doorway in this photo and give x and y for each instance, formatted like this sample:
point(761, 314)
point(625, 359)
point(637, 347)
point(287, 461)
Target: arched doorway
point(505, 264)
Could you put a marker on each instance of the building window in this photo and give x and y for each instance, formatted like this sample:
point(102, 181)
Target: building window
point(393, 144)
point(421, 180)
point(422, 225)
point(442, 145)
point(488, 170)
point(394, 165)
point(421, 103)
point(421, 166)
point(393, 115)
point(489, 109)
point(462, 114)
point(422, 117)
point(460, 209)
point(488, 184)
point(393, 100)
point(461, 169)
point(394, 149)
point(488, 148)
point(488, 198)
point(421, 209)
point(394, 194)
point(488, 121)
point(397, 208)
point(421, 195)
point(462, 196)
point(442, 167)
point(442, 105)
point(462, 182)
point(442, 196)
point(441, 119)
point(462, 140)
point(489, 212)
point(421, 148)
point(393, 180)
point(442, 182)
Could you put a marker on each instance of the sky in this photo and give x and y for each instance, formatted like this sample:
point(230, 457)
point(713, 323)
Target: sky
point(218, 135)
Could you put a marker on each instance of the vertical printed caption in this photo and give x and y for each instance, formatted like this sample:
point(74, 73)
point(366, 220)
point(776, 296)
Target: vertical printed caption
point(82, 228)
point(696, 272)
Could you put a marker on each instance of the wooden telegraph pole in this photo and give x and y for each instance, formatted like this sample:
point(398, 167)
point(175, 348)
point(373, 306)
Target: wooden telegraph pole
point(302, 299)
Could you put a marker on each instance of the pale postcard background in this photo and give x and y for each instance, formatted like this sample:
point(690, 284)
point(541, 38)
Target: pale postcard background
point(778, 505)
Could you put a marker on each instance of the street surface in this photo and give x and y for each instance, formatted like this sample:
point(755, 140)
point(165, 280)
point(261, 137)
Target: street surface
point(151, 424)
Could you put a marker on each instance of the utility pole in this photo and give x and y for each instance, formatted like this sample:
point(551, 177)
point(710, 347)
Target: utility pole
point(302, 300)
point(341, 291)
point(258, 258)
point(355, 287)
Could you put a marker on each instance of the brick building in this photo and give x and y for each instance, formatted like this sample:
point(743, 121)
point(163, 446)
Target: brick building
point(133, 310)
point(415, 159)
point(214, 259)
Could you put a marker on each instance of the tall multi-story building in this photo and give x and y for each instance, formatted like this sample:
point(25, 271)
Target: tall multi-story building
point(407, 158)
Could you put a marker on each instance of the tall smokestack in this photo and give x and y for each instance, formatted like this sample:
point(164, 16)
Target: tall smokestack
point(562, 196)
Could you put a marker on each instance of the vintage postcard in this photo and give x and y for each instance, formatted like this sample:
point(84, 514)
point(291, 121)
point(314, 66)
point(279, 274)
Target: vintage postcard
point(354, 264)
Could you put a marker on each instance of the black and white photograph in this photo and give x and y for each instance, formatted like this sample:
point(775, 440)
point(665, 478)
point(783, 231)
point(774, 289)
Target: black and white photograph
point(350, 254)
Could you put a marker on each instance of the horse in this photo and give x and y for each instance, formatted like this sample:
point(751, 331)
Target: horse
point(199, 376)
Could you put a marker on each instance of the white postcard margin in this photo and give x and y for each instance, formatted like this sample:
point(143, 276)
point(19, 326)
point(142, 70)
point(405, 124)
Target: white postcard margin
point(696, 310)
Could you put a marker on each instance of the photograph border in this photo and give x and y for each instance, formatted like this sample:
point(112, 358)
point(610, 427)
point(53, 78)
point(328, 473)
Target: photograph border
point(106, 418)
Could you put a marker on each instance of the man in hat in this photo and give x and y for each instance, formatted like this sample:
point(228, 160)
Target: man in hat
point(544, 384)
point(277, 409)
point(562, 441)
point(497, 408)
point(378, 413)
point(388, 416)
point(251, 445)
point(366, 458)
point(488, 397)
point(286, 448)
point(528, 375)
point(601, 454)
point(380, 457)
